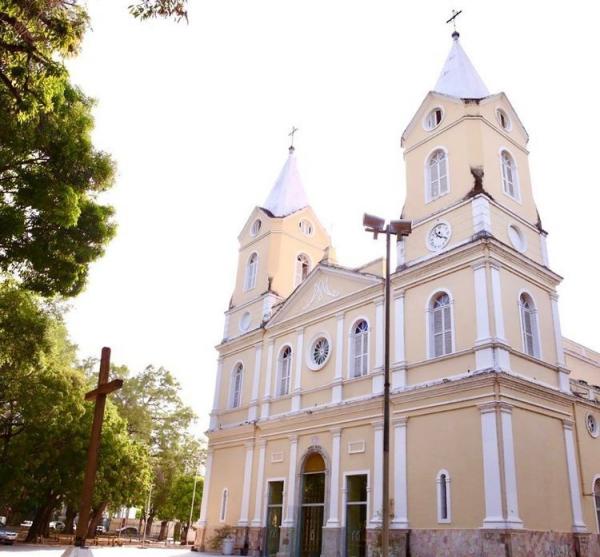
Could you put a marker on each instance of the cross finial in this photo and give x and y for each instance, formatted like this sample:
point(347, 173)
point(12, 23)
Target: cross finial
point(455, 14)
point(291, 134)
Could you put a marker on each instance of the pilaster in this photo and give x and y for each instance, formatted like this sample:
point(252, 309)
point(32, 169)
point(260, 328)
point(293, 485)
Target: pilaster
point(399, 365)
point(400, 519)
point(377, 492)
point(334, 483)
point(205, 491)
point(484, 356)
point(296, 398)
point(260, 475)
point(482, 220)
point(574, 490)
point(245, 506)
point(266, 402)
point(214, 415)
point(336, 389)
point(563, 373)
point(290, 487)
point(491, 468)
point(510, 470)
point(253, 408)
point(502, 354)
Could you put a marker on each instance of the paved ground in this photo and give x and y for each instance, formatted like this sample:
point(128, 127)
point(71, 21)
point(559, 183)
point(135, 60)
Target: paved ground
point(126, 551)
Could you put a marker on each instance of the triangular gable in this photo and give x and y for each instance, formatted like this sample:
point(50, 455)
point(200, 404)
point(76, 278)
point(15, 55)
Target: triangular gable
point(325, 284)
point(503, 96)
point(257, 213)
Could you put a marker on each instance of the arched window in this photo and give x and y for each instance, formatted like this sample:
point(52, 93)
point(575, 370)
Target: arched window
point(440, 325)
point(224, 500)
point(510, 182)
point(437, 174)
point(597, 502)
point(359, 343)
point(302, 268)
point(236, 385)
point(285, 368)
point(251, 268)
point(443, 496)
point(529, 326)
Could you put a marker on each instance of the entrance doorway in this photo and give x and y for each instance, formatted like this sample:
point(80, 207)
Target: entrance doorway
point(356, 515)
point(312, 507)
point(274, 512)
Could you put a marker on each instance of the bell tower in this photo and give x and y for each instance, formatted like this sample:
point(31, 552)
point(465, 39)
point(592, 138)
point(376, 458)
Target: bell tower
point(280, 244)
point(465, 143)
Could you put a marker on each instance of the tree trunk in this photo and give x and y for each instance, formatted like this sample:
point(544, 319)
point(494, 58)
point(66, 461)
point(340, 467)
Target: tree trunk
point(163, 531)
point(149, 524)
point(40, 521)
point(95, 518)
point(69, 520)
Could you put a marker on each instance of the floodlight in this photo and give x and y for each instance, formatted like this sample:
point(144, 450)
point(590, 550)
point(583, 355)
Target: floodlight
point(373, 222)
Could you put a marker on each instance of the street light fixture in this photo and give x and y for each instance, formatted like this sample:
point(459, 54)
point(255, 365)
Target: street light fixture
point(399, 228)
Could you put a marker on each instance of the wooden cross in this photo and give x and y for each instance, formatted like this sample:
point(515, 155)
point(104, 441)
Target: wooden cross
point(99, 394)
point(455, 14)
point(291, 134)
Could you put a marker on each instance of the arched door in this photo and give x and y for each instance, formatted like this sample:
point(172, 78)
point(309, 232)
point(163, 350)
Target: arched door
point(312, 506)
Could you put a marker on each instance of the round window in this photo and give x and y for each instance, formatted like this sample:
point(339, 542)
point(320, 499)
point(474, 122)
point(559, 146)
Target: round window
point(516, 238)
point(503, 119)
point(319, 353)
point(245, 321)
point(256, 225)
point(306, 227)
point(592, 425)
point(433, 119)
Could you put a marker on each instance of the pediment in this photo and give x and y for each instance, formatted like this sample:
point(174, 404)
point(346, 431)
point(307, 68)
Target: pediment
point(325, 284)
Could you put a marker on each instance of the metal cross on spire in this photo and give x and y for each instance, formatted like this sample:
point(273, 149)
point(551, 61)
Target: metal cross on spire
point(291, 134)
point(455, 14)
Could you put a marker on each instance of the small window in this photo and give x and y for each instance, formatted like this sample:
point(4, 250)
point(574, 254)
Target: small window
point(510, 182)
point(440, 325)
point(256, 226)
point(592, 425)
point(437, 174)
point(503, 120)
point(529, 326)
point(302, 268)
point(306, 227)
point(433, 119)
point(359, 343)
point(285, 367)
point(251, 270)
point(443, 496)
point(224, 501)
point(236, 385)
point(319, 353)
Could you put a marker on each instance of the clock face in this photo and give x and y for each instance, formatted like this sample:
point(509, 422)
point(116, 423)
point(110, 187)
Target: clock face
point(439, 236)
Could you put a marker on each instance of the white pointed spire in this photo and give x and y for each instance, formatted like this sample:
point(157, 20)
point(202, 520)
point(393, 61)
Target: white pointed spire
point(459, 78)
point(287, 195)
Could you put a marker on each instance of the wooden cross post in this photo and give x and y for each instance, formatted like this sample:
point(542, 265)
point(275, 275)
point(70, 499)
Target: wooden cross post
point(291, 134)
point(99, 395)
point(452, 20)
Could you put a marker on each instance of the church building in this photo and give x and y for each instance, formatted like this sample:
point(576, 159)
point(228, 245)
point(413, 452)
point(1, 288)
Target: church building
point(495, 416)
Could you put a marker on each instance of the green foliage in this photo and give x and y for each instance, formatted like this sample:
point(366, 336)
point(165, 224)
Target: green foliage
point(147, 9)
point(180, 501)
point(215, 542)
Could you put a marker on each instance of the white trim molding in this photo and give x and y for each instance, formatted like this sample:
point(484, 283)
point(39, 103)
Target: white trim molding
point(400, 519)
point(288, 521)
point(565, 384)
point(336, 389)
point(265, 407)
point(510, 470)
point(399, 361)
point(574, 490)
point(334, 479)
point(296, 399)
point(491, 467)
point(215, 409)
point(205, 492)
point(245, 505)
point(376, 517)
point(258, 497)
point(482, 219)
point(484, 357)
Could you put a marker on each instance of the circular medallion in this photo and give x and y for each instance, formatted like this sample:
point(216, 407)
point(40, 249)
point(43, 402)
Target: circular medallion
point(439, 236)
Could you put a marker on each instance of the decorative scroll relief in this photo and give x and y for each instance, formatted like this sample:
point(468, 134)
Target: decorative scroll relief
point(321, 293)
point(356, 447)
point(276, 457)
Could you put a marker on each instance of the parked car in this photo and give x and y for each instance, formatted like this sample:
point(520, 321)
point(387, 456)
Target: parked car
point(128, 532)
point(57, 525)
point(26, 523)
point(7, 537)
point(100, 529)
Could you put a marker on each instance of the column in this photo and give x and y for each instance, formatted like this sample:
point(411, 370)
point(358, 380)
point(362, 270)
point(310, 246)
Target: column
point(399, 365)
point(214, 415)
point(291, 483)
point(205, 491)
point(484, 356)
point(258, 520)
point(510, 471)
point(376, 519)
point(563, 372)
point(336, 389)
point(226, 326)
point(253, 409)
point(377, 380)
point(245, 507)
point(482, 221)
point(502, 354)
point(544, 249)
point(264, 411)
point(298, 358)
point(491, 468)
point(334, 483)
point(578, 523)
point(400, 482)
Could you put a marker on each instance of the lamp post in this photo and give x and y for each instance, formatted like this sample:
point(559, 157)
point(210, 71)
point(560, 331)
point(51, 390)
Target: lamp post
point(397, 228)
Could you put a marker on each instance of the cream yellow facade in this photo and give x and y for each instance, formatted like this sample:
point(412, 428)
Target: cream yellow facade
point(495, 446)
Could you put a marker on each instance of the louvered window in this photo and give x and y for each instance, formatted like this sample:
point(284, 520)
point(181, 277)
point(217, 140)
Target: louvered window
point(236, 385)
point(251, 269)
point(441, 325)
point(509, 175)
point(285, 366)
point(529, 326)
point(360, 349)
point(302, 268)
point(437, 174)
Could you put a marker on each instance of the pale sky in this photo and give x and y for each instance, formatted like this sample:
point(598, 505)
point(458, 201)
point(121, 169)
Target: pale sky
point(196, 117)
